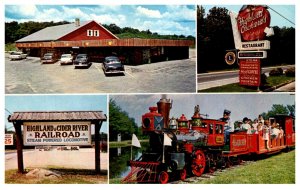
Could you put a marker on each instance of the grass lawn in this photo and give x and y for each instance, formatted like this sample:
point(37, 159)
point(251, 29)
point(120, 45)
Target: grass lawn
point(271, 81)
point(277, 169)
point(115, 144)
point(68, 176)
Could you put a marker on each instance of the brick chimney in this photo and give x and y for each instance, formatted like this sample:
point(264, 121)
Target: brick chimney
point(77, 22)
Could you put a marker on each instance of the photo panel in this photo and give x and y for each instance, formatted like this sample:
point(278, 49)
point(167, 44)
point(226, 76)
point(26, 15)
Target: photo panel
point(100, 49)
point(56, 139)
point(246, 48)
point(202, 139)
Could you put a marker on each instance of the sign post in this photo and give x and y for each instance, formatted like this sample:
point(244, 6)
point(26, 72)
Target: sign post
point(253, 23)
point(57, 128)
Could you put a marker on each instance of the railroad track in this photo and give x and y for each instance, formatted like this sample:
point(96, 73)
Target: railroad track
point(206, 176)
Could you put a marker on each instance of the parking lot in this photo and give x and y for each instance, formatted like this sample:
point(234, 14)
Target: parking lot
point(29, 76)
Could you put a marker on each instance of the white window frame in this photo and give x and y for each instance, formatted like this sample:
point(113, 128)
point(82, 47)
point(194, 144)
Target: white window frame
point(96, 33)
point(89, 33)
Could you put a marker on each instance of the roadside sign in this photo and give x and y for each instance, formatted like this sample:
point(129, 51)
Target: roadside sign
point(250, 72)
point(230, 57)
point(57, 133)
point(9, 139)
point(252, 21)
point(255, 45)
point(252, 54)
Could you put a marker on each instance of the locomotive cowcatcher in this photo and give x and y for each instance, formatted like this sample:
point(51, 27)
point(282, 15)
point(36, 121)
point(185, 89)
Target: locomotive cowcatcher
point(178, 147)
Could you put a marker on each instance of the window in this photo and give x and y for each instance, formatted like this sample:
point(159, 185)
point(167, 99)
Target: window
point(211, 128)
point(89, 32)
point(96, 33)
point(219, 129)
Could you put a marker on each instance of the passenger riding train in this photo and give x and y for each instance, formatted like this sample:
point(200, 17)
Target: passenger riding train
point(197, 145)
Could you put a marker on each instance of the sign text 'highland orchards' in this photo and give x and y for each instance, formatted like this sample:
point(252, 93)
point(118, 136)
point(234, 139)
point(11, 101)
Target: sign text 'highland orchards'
point(252, 21)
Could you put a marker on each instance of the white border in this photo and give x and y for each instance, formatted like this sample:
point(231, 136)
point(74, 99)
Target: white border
point(153, 2)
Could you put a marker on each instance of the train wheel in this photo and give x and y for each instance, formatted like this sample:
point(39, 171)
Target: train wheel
point(163, 177)
point(183, 174)
point(198, 164)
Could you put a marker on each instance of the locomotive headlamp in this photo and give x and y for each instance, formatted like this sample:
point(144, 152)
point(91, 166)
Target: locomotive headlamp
point(146, 123)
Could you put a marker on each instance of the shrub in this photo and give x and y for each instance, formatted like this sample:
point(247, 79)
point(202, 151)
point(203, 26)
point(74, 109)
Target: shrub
point(290, 72)
point(280, 70)
point(263, 79)
point(275, 72)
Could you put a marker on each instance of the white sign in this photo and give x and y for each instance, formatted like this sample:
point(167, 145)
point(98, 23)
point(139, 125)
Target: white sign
point(252, 54)
point(9, 139)
point(255, 45)
point(236, 33)
point(57, 133)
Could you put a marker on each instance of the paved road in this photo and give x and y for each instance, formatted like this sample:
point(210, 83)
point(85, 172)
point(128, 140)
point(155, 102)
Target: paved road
point(286, 88)
point(209, 80)
point(82, 159)
point(30, 77)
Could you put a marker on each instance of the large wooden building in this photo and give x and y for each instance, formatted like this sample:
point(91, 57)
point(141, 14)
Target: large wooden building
point(92, 38)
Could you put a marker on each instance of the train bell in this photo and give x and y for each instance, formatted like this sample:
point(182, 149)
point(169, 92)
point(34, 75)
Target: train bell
point(173, 123)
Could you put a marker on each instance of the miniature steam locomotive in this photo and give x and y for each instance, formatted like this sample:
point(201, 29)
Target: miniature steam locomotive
point(197, 145)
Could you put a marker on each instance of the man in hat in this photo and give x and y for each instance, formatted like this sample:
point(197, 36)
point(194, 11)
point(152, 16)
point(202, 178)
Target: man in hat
point(229, 127)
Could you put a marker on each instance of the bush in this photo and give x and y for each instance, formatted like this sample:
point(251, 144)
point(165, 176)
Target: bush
point(290, 72)
point(276, 72)
point(263, 79)
point(280, 70)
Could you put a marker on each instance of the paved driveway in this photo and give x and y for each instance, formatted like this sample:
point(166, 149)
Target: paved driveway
point(30, 77)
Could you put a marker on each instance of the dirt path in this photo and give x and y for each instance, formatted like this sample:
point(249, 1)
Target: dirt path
point(82, 159)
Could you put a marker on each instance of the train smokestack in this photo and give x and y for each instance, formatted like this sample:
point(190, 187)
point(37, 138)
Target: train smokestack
point(164, 106)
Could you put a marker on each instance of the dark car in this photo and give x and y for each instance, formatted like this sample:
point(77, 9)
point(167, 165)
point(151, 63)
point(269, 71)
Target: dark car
point(112, 64)
point(48, 58)
point(82, 61)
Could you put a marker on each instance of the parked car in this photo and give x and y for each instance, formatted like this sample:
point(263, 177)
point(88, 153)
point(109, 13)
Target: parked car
point(15, 55)
point(82, 61)
point(48, 58)
point(66, 59)
point(112, 64)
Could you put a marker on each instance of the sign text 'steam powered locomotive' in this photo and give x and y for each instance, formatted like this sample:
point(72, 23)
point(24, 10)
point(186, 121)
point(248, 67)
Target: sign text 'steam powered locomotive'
point(197, 145)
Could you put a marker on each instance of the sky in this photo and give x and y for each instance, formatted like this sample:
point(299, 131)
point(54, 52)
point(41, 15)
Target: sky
point(55, 103)
point(240, 105)
point(163, 19)
point(287, 11)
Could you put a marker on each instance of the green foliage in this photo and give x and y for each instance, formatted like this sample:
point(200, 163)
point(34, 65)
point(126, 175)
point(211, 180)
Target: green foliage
point(290, 72)
point(278, 169)
point(15, 31)
point(120, 122)
point(276, 72)
point(236, 87)
point(10, 47)
point(279, 109)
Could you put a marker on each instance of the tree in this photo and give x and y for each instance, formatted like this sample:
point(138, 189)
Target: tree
point(120, 123)
point(214, 37)
point(279, 109)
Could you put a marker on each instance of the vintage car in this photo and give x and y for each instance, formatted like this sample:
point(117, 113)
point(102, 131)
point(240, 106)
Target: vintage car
point(82, 61)
point(48, 58)
point(17, 55)
point(66, 59)
point(112, 64)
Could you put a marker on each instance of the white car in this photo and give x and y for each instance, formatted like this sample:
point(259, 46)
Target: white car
point(66, 59)
point(17, 55)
